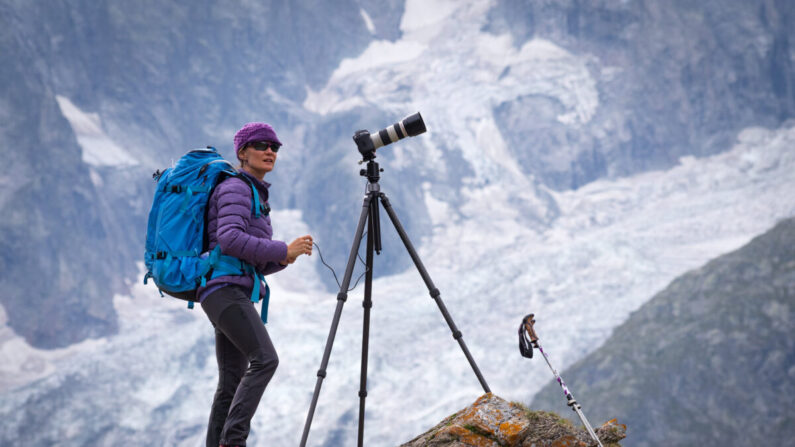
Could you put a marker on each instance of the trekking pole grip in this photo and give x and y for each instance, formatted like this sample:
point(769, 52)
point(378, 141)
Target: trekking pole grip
point(528, 322)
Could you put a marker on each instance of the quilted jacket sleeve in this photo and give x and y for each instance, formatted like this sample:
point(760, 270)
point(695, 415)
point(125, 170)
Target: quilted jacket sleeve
point(272, 267)
point(236, 234)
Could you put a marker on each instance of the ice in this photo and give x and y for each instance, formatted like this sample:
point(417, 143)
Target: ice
point(368, 22)
point(20, 363)
point(380, 53)
point(614, 244)
point(496, 252)
point(423, 14)
point(447, 67)
point(98, 148)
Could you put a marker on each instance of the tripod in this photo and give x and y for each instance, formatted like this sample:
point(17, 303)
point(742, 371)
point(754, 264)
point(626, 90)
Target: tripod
point(370, 216)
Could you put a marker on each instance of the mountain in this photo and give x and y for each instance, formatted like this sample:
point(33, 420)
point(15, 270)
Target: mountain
point(579, 157)
point(156, 80)
point(530, 97)
point(672, 79)
point(615, 243)
point(707, 361)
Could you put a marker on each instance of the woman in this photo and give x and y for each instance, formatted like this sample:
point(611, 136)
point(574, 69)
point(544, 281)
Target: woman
point(246, 357)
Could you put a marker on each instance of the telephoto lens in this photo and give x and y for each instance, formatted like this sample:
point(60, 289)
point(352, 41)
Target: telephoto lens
point(409, 126)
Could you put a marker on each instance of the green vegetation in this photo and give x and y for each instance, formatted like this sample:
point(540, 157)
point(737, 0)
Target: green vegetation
point(535, 416)
point(480, 432)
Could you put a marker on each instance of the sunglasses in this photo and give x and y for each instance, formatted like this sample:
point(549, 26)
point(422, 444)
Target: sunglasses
point(264, 146)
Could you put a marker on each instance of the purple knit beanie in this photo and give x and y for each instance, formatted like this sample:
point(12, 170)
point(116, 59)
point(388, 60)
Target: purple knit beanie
point(255, 132)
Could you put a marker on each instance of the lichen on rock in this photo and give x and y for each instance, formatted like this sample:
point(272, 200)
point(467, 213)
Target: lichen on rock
point(493, 422)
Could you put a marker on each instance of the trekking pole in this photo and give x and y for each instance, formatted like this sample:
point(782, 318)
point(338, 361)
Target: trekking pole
point(527, 340)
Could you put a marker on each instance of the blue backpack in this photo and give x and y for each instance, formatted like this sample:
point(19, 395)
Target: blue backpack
point(176, 254)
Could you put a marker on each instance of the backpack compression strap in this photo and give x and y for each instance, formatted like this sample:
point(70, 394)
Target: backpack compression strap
point(219, 264)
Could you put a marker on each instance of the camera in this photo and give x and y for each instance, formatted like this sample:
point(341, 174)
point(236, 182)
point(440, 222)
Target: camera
point(367, 143)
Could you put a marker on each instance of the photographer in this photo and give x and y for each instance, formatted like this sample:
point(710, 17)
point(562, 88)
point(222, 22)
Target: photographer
point(246, 357)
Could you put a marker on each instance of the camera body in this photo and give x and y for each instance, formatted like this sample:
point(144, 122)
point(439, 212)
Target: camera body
point(365, 144)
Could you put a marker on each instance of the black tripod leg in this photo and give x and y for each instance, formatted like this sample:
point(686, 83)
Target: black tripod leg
point(435, 294)
point(372, 233)
point(341, 297)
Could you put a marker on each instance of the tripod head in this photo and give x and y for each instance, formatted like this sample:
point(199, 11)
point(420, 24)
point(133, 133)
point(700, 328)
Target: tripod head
point(373, 172)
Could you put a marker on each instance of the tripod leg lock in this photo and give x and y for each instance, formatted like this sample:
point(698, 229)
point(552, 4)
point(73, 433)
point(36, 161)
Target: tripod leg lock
point(367, 304)
point(362, 393)
point(321, 373)
point(435, 293)
point(342, 296)
point(457, 335)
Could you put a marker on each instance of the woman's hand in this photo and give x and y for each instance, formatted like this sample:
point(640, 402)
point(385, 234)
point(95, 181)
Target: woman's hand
point(298, 247)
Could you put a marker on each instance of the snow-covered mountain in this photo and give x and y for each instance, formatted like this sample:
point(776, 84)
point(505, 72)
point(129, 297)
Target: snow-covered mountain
point(539, 93)
point(615, 243)
point(674, 139)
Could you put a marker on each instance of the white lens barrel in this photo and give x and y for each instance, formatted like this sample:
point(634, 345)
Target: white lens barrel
point(376, 139)
point(395, 132)
point(388, 135)
point(392, 134)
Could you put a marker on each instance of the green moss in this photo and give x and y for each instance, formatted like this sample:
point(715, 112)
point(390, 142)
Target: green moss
point(541, 414)
point(520, 406)
point(476, 430)
point(450, 419)
point(480, 432)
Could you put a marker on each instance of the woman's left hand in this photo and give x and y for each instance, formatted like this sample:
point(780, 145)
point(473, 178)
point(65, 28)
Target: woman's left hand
point(298, 247)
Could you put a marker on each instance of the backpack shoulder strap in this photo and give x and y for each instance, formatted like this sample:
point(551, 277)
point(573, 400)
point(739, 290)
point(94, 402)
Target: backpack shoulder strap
point(255, 203)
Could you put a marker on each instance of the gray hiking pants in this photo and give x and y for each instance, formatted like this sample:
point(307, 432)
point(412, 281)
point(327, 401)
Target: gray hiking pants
point(246, 362)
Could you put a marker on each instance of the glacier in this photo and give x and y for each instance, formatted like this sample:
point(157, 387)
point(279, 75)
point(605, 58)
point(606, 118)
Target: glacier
point(500, 244)
point(98, 148)
point(614, 244)
point(459, 82)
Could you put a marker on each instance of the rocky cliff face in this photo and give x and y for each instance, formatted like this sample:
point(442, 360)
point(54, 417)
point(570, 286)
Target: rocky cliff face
point(161, 79)
point(494, 422)
point(708, 361)
point(651, 83)
point(673, 79)
point(60, 250)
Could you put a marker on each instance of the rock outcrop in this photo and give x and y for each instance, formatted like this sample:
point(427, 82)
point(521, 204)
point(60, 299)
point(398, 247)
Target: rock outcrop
point(494, 422)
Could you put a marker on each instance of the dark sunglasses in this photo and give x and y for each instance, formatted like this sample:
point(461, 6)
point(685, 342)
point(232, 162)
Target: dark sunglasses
point(264, 145)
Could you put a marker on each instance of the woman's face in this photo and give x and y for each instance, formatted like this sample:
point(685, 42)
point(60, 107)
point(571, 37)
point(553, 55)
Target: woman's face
point(256, 160)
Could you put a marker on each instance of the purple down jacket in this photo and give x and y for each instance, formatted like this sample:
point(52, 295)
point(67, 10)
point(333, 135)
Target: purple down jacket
point(231, 225)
